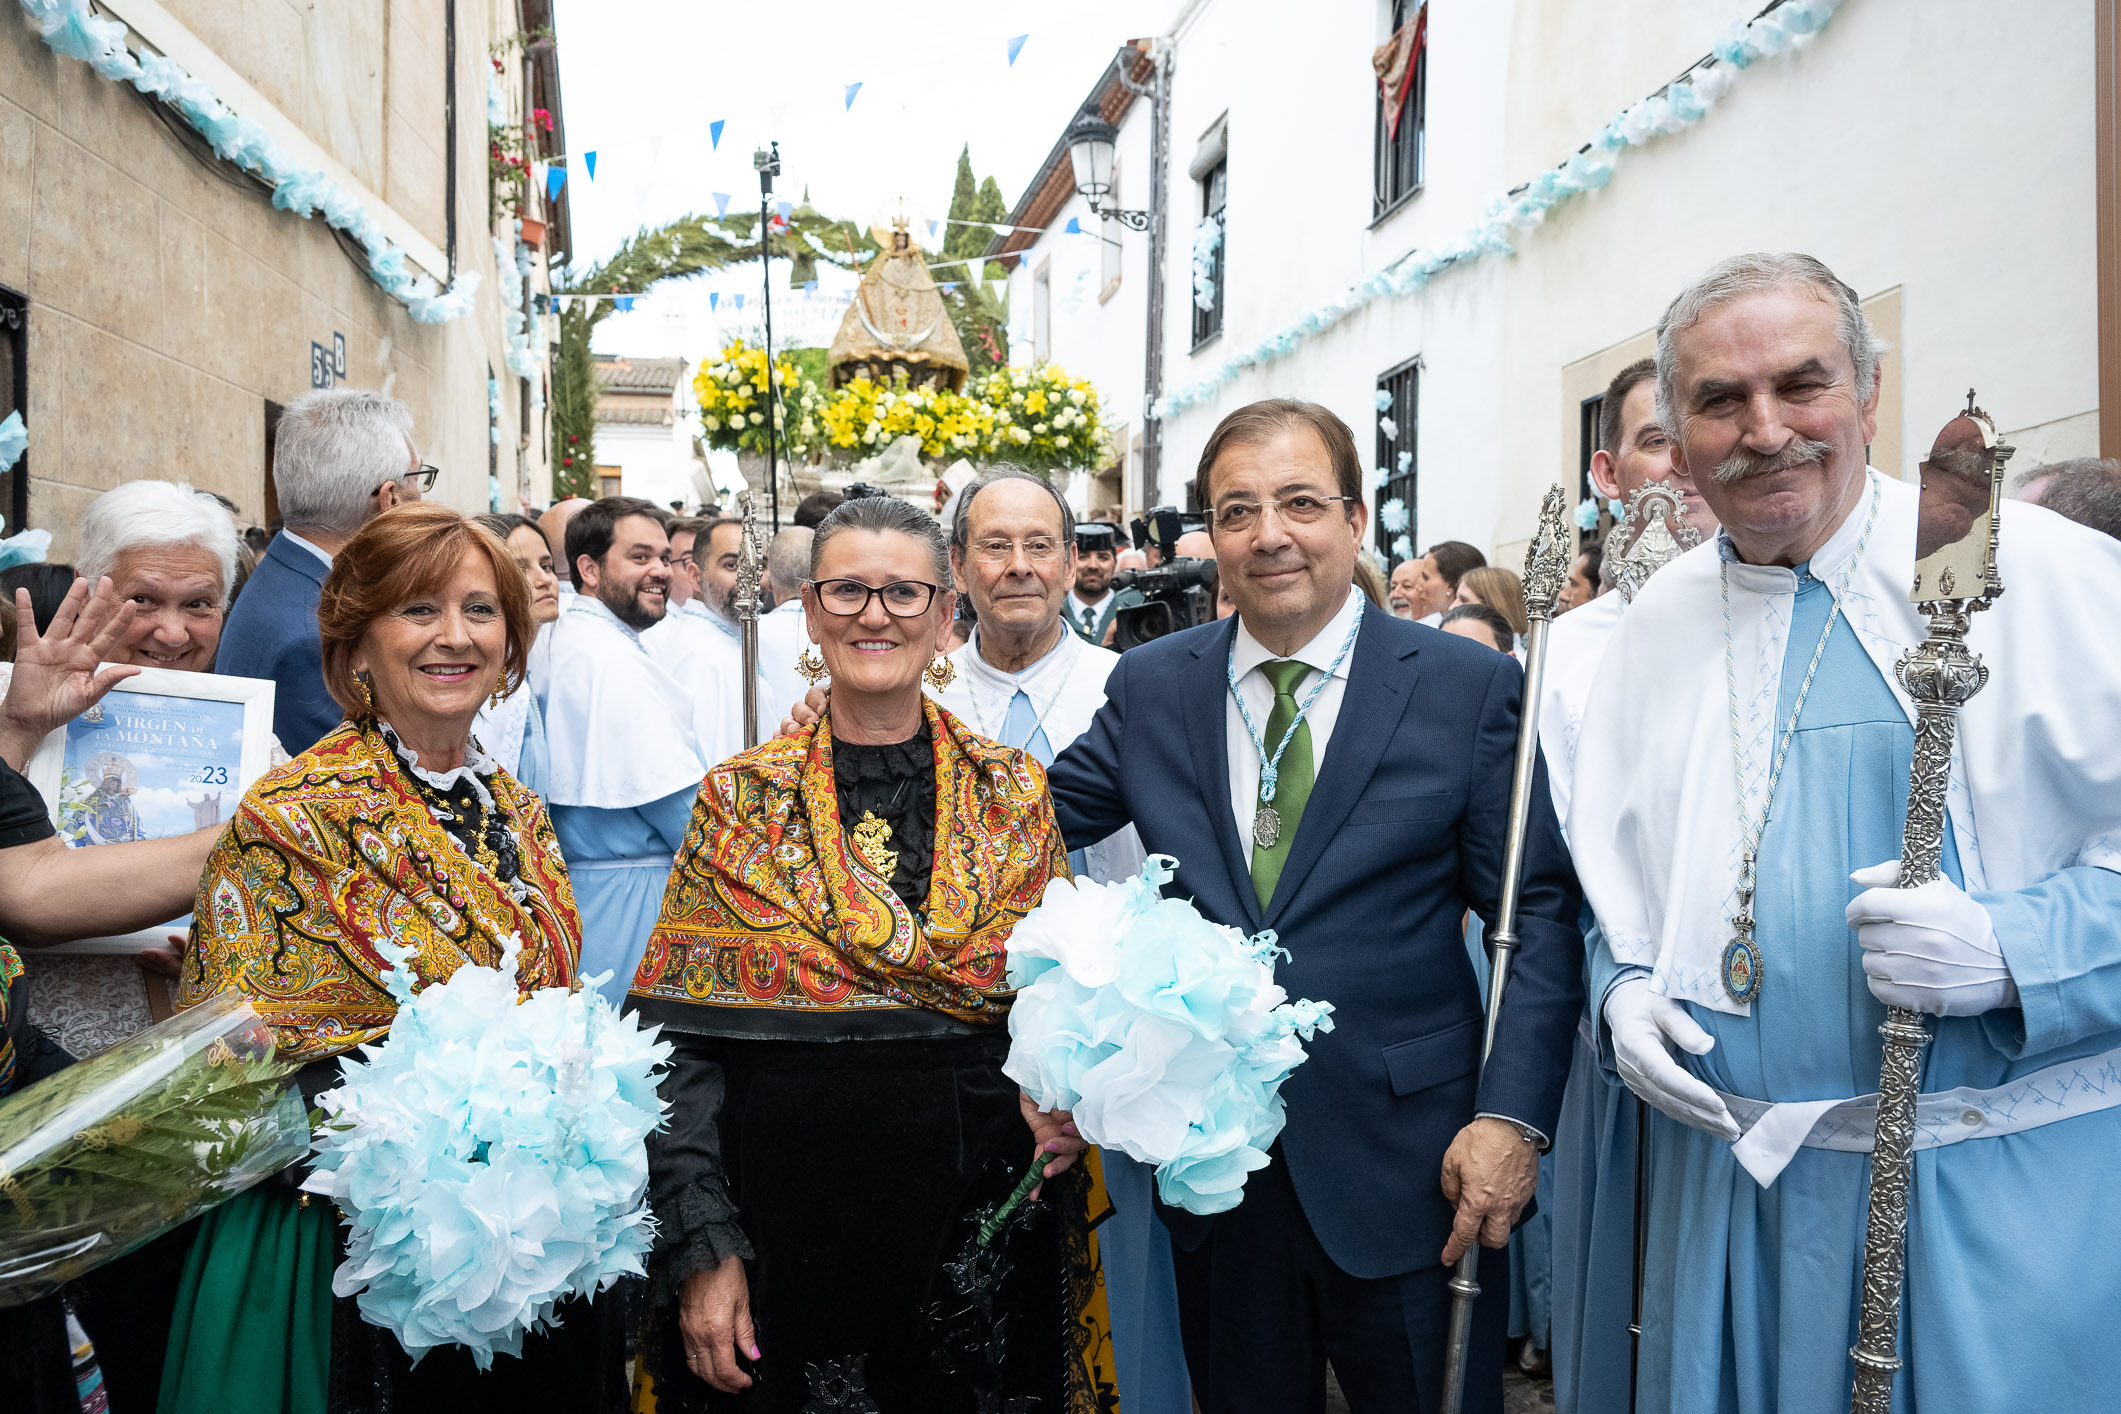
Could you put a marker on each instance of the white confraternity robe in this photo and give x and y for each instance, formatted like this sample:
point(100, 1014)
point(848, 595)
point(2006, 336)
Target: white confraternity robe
point(2036, 765)
point(625, 764)
point(1576, 644)
point(706, 658)
point(1066, 687)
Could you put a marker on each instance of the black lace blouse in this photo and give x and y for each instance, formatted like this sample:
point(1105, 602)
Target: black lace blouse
point(896, 783)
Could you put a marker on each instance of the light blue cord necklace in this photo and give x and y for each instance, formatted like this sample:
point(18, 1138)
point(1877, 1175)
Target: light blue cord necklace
point(1266, 821)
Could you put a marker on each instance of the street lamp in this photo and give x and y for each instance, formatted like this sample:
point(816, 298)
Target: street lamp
point(1090, 141)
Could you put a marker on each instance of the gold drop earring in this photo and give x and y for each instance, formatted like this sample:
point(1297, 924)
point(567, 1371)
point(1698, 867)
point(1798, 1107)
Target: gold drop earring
point(940, 673)
point(810, 666)
point(368, 699)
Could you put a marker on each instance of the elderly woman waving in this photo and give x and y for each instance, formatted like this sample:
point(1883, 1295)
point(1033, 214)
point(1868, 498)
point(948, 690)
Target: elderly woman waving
point(831, 967)
point(395, 829)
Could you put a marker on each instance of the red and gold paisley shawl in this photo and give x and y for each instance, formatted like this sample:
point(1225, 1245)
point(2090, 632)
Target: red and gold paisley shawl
point(336, 851)
point(770, 906)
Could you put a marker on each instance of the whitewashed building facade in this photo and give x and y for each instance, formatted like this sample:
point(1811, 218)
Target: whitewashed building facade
point(1941, 157)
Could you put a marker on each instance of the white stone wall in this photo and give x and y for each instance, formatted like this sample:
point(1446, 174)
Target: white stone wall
point(1945, 149)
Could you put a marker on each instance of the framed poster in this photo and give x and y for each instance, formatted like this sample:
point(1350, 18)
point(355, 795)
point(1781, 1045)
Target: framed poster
point(164, 753)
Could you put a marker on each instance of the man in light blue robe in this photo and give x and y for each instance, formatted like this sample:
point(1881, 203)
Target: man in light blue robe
point(1759, 1163)
point(625, 759)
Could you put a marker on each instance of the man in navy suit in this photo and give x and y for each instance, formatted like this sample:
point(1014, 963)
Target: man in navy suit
point(340, 457)
point(1384, 826)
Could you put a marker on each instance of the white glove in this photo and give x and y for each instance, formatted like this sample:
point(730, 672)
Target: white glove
point(1645, 1028)
point(1928, 949)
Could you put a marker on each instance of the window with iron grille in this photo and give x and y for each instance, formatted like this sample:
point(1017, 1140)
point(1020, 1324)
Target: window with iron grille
point(1395, 455)
point(1208, 312)
point(14, 398)
point(1401, 146)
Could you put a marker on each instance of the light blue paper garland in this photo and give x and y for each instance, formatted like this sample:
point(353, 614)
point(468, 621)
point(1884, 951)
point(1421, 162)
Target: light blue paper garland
point(14, 441)
point(1672, 109)
point(1206, 237)
point(70, 28)
point(518, 271)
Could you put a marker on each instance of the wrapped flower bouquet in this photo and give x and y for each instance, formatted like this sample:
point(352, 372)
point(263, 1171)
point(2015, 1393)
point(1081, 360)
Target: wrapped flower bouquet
point(122, 1147)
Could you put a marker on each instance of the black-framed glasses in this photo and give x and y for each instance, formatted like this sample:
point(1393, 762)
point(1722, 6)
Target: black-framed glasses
point(1239, 516)
point(847, 598)
point(422, 480)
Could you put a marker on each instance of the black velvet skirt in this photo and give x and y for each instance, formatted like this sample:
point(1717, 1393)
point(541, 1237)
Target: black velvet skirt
point(862, 1171)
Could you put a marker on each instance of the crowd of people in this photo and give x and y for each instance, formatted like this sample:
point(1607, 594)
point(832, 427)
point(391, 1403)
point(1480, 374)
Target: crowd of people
point(503, 731)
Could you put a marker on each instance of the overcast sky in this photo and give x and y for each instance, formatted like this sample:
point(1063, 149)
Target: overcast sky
point(642, 79)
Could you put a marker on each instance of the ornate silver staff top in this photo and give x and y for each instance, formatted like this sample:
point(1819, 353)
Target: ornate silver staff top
point(1653, 532)
point(1955, 552)
point(750, 565)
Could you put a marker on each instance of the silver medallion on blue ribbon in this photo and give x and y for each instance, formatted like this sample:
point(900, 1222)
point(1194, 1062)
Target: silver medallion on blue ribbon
point(1266, 827)
point(1742, 971)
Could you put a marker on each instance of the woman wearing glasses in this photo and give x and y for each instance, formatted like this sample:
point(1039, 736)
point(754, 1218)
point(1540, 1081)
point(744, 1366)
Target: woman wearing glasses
point(830, 966)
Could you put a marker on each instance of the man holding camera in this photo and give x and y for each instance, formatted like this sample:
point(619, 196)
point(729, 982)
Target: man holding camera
point(1343, 778)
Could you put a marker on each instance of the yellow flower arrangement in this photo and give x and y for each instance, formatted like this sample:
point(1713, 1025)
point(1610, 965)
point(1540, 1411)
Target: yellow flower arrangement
point(734, 410)
point(1038, 418)
point(1043, 419)
point(864, 417)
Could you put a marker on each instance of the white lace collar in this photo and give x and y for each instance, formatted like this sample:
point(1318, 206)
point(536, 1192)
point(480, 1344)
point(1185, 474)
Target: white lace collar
point(478, 767)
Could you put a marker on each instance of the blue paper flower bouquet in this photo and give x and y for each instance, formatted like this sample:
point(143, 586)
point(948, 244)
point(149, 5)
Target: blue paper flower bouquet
point(1163, 1034)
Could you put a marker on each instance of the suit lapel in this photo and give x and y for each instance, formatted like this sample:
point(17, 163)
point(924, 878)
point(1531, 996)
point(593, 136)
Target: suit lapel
point(1379, 684)
point(1207, 732)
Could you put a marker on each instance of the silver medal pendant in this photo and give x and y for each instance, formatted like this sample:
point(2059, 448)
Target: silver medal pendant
point(1742, 970)
point(1266, 827)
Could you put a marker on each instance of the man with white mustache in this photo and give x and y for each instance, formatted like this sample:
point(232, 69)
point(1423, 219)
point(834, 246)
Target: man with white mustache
point(1739, 844)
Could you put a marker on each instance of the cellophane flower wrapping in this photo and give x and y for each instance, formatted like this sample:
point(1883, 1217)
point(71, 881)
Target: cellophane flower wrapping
point(123, 1146)
point(1163, 1034)
point(490, 1158)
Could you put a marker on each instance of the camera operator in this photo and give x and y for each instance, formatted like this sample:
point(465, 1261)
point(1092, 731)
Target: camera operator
point(1178, 592)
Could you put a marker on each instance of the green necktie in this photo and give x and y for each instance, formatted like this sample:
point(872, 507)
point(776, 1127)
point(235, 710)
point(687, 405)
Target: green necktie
point(1293, 785)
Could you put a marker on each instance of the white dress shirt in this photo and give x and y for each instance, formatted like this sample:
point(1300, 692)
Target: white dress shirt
point(1077, 605)
point(1258, 694)
point(313, 548)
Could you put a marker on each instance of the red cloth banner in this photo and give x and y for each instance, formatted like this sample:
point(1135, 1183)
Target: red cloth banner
point(1395, 61)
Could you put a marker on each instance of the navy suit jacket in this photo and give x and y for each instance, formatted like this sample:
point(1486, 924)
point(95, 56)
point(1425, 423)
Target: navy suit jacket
point(272, 633)
point(1403, 832)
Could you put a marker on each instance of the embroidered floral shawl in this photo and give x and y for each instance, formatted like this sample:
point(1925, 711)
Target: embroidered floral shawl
point(337, 851)
point(770, 908)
